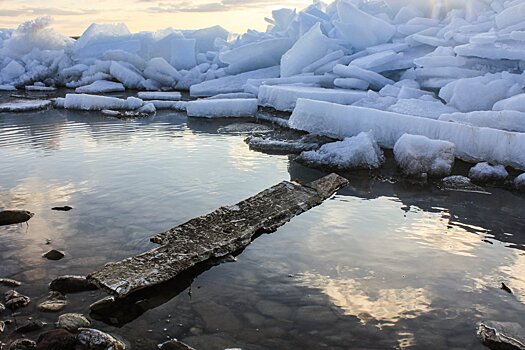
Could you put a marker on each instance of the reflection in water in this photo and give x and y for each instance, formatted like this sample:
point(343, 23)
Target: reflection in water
point(434, 231)
point(383, 307)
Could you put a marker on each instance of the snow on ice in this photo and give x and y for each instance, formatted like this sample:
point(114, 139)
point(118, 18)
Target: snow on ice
point(358, 152)
point(418, 155)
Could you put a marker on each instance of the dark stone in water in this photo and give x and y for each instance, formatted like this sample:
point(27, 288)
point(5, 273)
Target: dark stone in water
point(22, 344)
point(10, 217)
point(30, 326)
point(2, 327)
point(505, 288)
point(15, 300)
point(71, 284)
point(9, 282)
point(64, 208)
point(174, 345)
point(56, 339)
point(2, 308)
point(54, 255)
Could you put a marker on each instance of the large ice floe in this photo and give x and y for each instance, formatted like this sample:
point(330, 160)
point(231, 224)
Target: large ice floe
point(449, 71)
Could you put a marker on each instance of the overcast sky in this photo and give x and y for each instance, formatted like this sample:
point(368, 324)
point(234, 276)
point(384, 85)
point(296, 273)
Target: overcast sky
point(73, 16)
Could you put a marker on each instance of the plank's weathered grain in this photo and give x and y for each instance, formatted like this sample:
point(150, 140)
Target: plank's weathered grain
point(221, 232)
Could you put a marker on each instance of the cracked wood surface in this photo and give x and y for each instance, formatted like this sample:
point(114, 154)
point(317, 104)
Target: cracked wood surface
point(216, 234)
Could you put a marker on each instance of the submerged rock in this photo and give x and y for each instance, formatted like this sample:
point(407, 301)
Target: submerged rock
point(174, 345)
point(125, 114)
point(56, 301)
point(15, 300)
point(9, 282)
point(56, 339)
point(71, 284)
point(30, 325)
point(54, 255)
point(502, 335)
point(64, 208)
point(2, 327)
point(22, 344)
point(10, 217)
point(93, 339)
point(72, 322)
point(242, 128)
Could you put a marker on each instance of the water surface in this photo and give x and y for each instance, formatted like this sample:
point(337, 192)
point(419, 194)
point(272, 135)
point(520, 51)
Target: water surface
point(383, 264)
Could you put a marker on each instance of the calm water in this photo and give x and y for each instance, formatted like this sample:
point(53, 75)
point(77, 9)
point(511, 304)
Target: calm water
point(381, 265)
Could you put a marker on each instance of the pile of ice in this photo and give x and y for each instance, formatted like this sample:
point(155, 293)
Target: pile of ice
point(451, 71)
point(358, 152)
point(420, 156)
point(484, 172)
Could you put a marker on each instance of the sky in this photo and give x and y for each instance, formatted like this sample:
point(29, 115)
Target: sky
point(72, 17)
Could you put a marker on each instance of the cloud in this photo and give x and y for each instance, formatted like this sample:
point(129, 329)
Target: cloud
point(46, 11)
point(223, 5)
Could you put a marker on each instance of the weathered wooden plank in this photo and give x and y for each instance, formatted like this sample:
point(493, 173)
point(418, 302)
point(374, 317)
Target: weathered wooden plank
point(221, 232)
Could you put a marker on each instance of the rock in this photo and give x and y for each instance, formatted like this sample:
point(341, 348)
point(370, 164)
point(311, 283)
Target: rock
point(56, 339)
point(71, 284)
point(2, 308)
point(56, 301)
point(2, 327)
point(22, 344)
point(64, 208)
point(102, 304)
point(15, 300)
point(30, 325)
point(460, 183)
point(221, 232)
point(10, 217)
point(502, 335)
point(72, 322)
point(54, 254)
point(94, 339)
point(241, 128)
point(174, 345)
point(9, 282)
point(506, 288)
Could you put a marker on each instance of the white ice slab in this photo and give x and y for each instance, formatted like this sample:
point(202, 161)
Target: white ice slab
point(24, 105)
point(160, 95)
point(222, 108)
point(472, 143)
point(503, 120)
point(284, 97)
point(87, 102)
point(233, 83)
point(99, 87)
